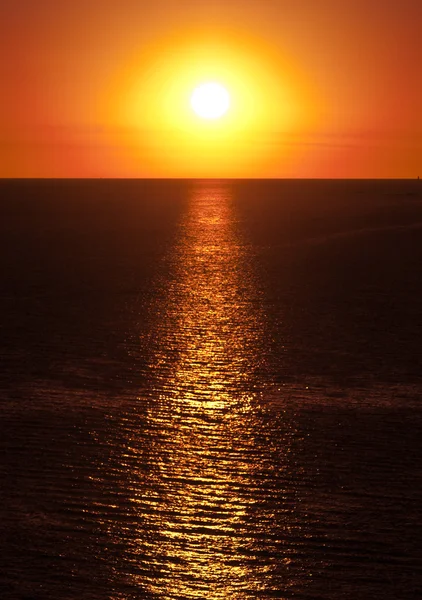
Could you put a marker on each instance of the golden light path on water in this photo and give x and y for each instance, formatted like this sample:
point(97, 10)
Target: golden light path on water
point(206, 495)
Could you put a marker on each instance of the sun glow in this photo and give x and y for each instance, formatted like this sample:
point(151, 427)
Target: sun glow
point(210, 100)
point(207, 109)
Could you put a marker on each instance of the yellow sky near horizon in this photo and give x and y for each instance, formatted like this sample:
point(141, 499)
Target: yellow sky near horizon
point(94, 89)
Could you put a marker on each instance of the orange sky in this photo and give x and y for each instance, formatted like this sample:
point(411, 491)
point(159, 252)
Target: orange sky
point(323, 88)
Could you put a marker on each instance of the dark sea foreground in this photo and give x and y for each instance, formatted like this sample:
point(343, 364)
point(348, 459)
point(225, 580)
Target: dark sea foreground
point(210, 389)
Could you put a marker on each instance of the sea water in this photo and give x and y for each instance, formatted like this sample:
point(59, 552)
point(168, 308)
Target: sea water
point(210, 389)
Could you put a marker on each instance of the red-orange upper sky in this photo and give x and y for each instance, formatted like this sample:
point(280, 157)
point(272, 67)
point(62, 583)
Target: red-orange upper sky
point(325, 88)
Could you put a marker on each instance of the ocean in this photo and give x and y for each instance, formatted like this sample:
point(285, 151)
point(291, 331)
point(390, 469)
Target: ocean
point(210, 389)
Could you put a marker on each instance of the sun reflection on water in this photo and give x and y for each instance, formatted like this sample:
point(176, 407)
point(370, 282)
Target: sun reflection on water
point(211, 302)
point(203, 473)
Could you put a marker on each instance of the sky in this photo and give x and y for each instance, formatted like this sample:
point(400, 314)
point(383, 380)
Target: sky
point(101, 88)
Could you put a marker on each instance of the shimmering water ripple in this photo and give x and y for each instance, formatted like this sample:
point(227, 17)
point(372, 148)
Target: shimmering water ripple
point(189, 475)
point(206, 461)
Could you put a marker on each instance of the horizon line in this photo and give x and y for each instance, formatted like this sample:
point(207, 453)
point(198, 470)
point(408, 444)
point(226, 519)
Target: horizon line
point(102, 178)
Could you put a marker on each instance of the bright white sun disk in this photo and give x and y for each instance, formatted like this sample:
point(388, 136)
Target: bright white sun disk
point(210, 100)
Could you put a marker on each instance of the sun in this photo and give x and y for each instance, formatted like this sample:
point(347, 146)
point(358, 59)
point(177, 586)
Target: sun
point(210, 100)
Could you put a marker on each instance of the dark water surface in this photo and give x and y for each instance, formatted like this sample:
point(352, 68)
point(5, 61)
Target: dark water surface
point(210, 389)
